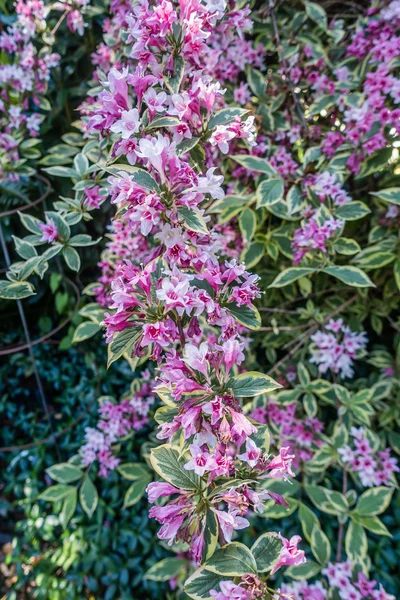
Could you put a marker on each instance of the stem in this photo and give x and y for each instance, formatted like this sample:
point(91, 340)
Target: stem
point(60, 20)
point(181, 333)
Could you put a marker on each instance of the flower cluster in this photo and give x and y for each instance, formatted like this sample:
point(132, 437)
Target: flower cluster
point(341, 582)
point(171, 280)
point(116, 421)
point(313, 235)
point(300, 436)
point(372, 466)
point(337, 349)
point(340, 578)
point(24, 75)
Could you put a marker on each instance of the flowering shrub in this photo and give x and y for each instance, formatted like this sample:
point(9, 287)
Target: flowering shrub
point(233, 146)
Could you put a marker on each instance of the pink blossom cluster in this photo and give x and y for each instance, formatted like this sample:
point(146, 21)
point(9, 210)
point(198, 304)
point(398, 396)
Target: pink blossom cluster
point(368, 124)
point(337, 348)
point(328, 187)
point(178, 291)
point(302, 590)
point(250, 586)
point(373, 467)
point(340, 578)
point(341, 582)
point(23, 77)
point(301, 436)
point(181, 520)
point(313, 234)
point(116, 421)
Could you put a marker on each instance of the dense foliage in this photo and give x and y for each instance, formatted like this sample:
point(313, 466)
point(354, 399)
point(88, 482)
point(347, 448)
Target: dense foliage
point(241, 160)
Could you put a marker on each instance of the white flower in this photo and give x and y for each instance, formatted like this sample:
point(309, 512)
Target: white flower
point(210, 184)
point(128, 124)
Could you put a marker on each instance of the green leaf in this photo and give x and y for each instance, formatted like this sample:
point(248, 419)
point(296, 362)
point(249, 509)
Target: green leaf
point(132, 471)
point(186, 145)
point(396, 273)
point(374, 260)
point(59, 171)
point(64, 473)
point(163, 122)
point(135, 492)
point(262, 437)
point(305, 571)
point(232, 560)
point(69, 506)
point(352, 211)
point(253, 254)
point(374, 501)
point(317, 14)
point(290, 275)
point(145, 180)
point(72, 258)
point(350, 275)
point(375, 525)
point(85, 331)
point(294, 200)
point(346, 246)
point(54, 493)
point(166, 569)
point(308, 520)
point(123, 341)
point(199, 585)
point(168, 463)
point(173, 83)
point(253, 163)
point(310, 405)
point(248, 316)
point(226, 115)
point(16, 290)
point(81, 163)
point(331, 502)
point(278, 511)
point(248, 223)
point(266, 551)
point(31, 223)
point(269, 192)
point(251, 384)
point(88, 496)
point(320, 546)
point(391, 195)
point(356, 541)
point(82, 239)
point(210, 535)
point(192, 220)
point(256, 81)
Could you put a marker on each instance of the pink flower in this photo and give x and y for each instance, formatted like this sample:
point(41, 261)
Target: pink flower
point(229, 522)
point(49, 231)
point(128, 124)
point(156, 489)
point(200, 460)
point(289, 554)
point(195, 357)
point(230, 591)
point(252, 454)
point(281, 465)
point(93, 198)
